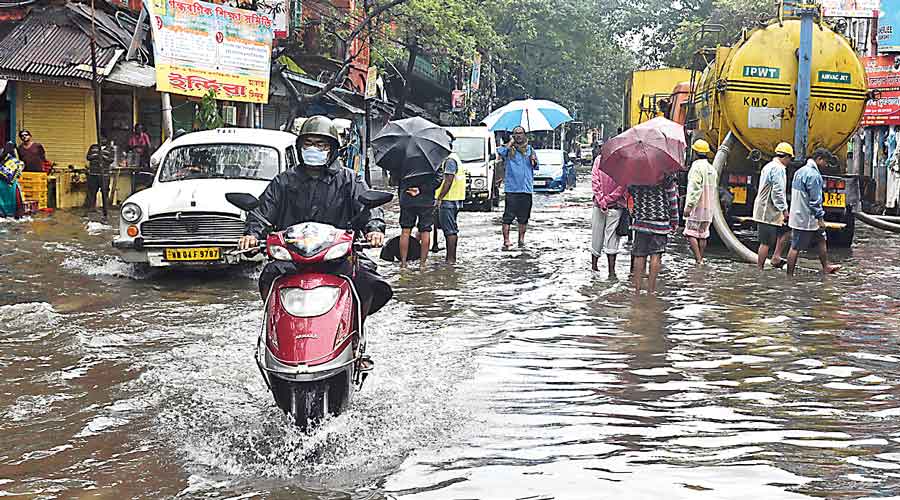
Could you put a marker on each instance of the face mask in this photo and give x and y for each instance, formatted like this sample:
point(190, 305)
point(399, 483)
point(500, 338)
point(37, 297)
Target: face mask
point(314, 157)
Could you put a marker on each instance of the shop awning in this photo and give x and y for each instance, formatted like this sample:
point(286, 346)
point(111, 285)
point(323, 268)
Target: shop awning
point(132, 74)
point(50, 47)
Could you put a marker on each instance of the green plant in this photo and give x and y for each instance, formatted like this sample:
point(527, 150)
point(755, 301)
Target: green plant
point(208, 115)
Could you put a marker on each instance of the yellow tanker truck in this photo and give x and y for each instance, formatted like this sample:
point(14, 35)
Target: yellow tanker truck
point(747, 98)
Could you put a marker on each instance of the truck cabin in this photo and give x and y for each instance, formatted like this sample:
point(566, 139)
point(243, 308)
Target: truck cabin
point(678, 103)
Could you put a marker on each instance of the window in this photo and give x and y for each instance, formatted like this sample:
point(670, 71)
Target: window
point(222, 161)
point(469, 148)
point(291, 155)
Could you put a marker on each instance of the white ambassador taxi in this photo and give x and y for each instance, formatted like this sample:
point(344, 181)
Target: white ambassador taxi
point(183, 219)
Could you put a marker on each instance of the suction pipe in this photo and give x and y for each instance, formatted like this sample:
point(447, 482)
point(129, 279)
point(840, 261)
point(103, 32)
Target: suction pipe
point(878, 222)
point(722, 228)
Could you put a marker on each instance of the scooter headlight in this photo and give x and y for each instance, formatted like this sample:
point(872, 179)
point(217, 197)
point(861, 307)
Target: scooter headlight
point(337, 251)
point(279, 253)
point(309, 303)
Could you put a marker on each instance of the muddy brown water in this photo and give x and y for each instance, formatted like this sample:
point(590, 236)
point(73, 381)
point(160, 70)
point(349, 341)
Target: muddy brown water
point(513, 375)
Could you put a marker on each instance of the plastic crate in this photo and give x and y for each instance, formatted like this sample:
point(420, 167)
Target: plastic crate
point(39, 198)
point(33, 182)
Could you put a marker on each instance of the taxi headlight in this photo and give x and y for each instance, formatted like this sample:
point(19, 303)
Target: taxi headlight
point(130, 212)
point(279, 253)
point(309, 303)
point(337, 251)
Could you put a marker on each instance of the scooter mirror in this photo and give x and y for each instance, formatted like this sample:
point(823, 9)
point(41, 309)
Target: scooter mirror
point(372, 198)
point(244, 201)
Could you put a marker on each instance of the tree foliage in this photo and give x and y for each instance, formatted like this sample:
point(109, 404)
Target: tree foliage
point(208, 116)
point(574, 52)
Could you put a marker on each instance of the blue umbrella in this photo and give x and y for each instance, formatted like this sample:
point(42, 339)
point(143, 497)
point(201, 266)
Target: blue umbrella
point(531, 114)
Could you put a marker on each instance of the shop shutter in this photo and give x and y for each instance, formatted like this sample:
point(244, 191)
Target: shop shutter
point(270, 117)
point(60, 118)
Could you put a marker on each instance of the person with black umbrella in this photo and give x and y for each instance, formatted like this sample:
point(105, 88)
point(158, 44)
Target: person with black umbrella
point(416, 195)
point(413, 149)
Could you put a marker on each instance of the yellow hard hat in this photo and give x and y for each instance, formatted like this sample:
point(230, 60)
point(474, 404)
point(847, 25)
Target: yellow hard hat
point(701, 146)
point(785, 149)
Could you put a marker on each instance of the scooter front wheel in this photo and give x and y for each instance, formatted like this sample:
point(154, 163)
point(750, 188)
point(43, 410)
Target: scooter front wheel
point(309, 402)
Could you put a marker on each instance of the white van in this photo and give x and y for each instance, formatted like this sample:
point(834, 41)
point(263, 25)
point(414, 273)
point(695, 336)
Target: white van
point(475, 147)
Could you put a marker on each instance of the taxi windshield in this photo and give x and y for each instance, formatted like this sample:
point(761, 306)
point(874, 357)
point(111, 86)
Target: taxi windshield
point(223, 161)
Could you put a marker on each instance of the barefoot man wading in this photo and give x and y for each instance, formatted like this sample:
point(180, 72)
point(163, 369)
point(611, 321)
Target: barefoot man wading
point(807, 217)
point(521, 162)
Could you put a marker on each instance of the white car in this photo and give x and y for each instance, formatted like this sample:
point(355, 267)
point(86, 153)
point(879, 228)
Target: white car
point(183, 218)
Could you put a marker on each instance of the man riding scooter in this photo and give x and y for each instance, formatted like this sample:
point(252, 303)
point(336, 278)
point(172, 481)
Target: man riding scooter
point(320, 190)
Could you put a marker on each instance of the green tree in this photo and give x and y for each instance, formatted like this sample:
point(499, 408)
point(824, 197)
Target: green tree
point(733, 15)
point(208, 115)
point(564, 51)
point(663, 33)
point(447, 31)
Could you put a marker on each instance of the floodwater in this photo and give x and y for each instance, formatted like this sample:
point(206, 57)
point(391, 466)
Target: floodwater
point(513, 375)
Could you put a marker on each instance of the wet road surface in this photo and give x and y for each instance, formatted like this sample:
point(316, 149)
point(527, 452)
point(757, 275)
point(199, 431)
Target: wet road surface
point(513, 375)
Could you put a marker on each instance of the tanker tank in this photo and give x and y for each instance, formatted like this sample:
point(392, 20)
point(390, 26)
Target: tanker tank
point(750, 90)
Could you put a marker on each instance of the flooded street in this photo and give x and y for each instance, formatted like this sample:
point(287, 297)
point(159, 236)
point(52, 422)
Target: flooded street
point(513, 375)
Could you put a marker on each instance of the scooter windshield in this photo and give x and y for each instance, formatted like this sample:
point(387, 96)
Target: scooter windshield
point(310, 238)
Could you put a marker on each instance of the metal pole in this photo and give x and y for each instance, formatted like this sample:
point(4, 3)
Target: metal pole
point(365, 149)
point(368, 116)
point(869, 147)
point(167, 115)
point(880, 167)
point(104, 175)
point(804, 70)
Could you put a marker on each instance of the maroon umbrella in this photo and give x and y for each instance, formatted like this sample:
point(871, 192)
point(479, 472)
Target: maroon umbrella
point(645, 153)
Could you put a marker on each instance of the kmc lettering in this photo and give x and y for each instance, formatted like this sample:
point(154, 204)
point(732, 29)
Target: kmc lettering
point(756, 102)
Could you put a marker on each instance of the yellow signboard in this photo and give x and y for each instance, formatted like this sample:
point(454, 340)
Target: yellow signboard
point(372, 82)
point(201, 46)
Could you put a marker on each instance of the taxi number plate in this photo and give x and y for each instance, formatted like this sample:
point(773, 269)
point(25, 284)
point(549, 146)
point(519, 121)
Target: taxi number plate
point(836, 200)
point(740, 194)
point(192, 254)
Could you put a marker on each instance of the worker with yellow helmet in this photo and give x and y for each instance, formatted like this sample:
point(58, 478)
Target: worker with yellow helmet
point(770, 209)
point(702, 189)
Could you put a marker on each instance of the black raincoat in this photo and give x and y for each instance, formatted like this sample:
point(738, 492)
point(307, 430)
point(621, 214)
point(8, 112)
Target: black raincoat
point(294, 197)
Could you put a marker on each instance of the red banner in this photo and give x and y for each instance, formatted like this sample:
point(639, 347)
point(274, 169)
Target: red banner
point(883, 74)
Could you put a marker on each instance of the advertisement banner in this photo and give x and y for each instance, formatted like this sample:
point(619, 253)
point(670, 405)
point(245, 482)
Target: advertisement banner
point(201, 46)
point(889, 26)
point(850, 8)
point(883, 75)
point(457, 100)
point(279, 11)
point(475, 81)
point(371, 83)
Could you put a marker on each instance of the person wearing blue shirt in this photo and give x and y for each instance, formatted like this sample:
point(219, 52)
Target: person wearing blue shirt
point(521, 163)
point(807, 217)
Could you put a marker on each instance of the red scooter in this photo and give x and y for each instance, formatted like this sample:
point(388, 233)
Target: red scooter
point(311, 348)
